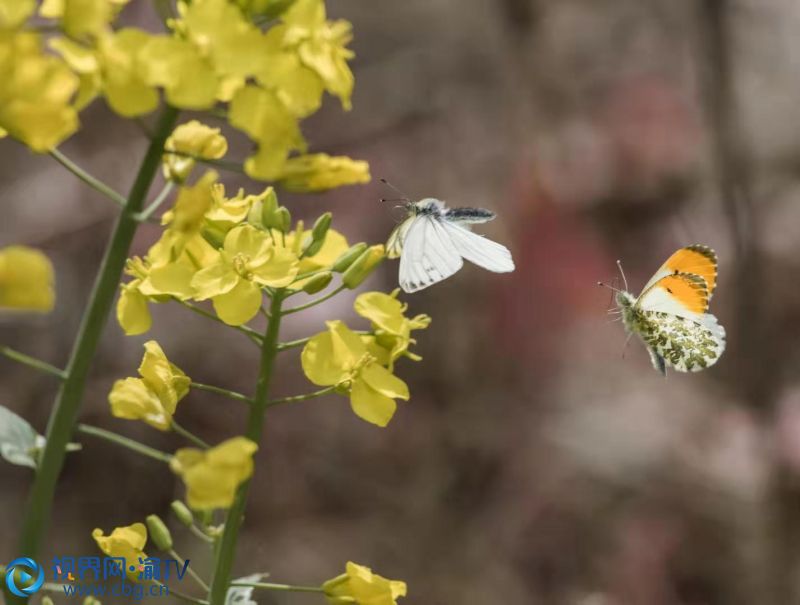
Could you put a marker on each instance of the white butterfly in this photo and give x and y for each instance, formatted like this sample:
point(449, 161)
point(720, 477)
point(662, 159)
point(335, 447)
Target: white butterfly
point(432, 241)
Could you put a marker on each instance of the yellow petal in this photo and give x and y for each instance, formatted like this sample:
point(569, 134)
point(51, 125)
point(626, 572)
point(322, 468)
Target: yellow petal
point(320, 365)
point(278, 270)
point(124, 85)
point(133, 400)
point(133, 313)
point(162, 377)
point(188, 78)
point(384, 382)
point(124, 542)
point(370, 405)
point(26, 279)
point(219, 278)
point(240, 305)
point(320, 172)
point(14, 13)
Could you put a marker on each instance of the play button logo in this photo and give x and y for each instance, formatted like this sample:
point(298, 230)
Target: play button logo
point(24, 577)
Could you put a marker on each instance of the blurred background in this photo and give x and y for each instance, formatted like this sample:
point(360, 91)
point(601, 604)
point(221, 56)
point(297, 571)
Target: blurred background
point(534, 463)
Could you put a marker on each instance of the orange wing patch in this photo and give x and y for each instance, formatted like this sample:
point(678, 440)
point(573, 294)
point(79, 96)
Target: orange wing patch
point(697, 260)
point(687, 289)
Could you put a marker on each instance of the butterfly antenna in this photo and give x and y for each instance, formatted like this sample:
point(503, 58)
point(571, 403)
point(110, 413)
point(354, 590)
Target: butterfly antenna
point(605, 285)
point(622, 273)
point(405, 198)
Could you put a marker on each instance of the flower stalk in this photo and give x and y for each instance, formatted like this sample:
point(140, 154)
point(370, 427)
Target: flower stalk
point(255, 422)
point(65, 410)
point(125, 442)
point(32, 362)
point(87, 178)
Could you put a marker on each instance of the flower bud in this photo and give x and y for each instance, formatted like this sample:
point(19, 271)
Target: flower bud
point(347, 258)
point(318, 234)
point(159, 532)
point(363, 266)
point(318, 282)
point(182, 513)
point(214, 236)
point(285, 219)
point(47, 600)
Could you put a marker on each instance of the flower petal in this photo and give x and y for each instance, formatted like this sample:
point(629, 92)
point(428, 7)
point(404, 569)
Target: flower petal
point(240, 305)
point(370, 405)
point(384, 382)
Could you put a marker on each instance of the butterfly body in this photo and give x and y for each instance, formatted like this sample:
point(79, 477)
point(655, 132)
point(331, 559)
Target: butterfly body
point(433, 240)
point(671, 314)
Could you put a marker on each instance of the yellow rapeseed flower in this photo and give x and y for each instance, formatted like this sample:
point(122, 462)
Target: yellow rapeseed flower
point(265, 119)
point(248, 261)
point(122, 67)
point(212, 476)
point(360, 586)
point(321, 45)
point(36, 93)
point(340, 358)
point(124, 542)
point(392, 328)
point(191, 139)
point(154, 397)
point(26, 279)
point(320, 172)
point(185, 220)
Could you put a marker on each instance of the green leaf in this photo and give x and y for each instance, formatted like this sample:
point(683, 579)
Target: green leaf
point(20, 444)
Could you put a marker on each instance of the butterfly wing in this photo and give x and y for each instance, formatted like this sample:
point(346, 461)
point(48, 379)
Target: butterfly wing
point(428, 254)
point(683, 343)
point(682, 294)
point(394, 245)
point(672, 320)
point(478, 249)
point(696, 260)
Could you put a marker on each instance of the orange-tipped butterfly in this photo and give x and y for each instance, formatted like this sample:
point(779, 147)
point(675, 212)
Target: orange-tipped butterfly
point(671, 314)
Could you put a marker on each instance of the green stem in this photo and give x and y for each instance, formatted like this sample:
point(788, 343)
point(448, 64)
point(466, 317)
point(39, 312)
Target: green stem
point(140, 448)
point(160, 198)
point(282, 587)
point(221, 391)
point(249, 332)
point(32, 362)
point(201, 534)
point(316, 301)
point(191, 571)
point(87, 178)
point(67, 404)
point(297, 398)
point(188, 435)
point(255, 422)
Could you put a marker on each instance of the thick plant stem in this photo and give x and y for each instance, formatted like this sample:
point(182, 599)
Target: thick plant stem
point(65, 410)
point(255, 422)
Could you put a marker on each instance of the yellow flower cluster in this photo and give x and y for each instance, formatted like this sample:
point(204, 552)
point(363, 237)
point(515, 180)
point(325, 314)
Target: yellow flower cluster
point(214, 53)
point(154, 397)
point(361, 366)
point(26, 279)
point(230, 249)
